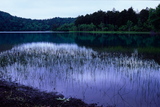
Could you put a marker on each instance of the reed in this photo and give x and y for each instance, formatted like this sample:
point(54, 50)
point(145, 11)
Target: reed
point(70, 69)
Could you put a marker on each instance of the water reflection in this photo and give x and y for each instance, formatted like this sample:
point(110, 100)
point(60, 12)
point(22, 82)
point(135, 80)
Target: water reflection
point(83, 39)
point(103, 78)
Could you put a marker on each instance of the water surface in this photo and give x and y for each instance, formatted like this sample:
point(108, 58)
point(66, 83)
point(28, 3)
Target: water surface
point(66, 64)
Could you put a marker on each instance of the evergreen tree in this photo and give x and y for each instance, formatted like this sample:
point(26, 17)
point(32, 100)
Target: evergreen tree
point(154, 18)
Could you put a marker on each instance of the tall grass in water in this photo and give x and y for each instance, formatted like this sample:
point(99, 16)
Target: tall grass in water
point(79, 72)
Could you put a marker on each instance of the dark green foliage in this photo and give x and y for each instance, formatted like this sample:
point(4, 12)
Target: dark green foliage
point(154, 18)
point(67, 27)
point(86, 27)
point(96, 18)
point(105, 19)
point(126, 20)
point(143, 16)
point(13, 23)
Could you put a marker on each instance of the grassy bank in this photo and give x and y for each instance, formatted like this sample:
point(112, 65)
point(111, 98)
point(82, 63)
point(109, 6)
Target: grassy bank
point(114, 32)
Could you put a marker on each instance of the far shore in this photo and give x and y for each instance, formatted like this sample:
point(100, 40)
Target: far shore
point(115, 32)
point(32, 32)
point(96, 32)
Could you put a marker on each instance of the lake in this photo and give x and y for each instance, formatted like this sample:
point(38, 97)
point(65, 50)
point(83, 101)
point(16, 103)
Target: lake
point(121, 70)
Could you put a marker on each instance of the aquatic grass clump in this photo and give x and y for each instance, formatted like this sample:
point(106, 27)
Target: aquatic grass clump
point(43, 52)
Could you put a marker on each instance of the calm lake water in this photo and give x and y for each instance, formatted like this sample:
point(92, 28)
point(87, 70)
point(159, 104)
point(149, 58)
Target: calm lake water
point(97, 68)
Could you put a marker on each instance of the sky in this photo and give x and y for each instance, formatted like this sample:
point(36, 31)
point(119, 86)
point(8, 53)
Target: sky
point(45, 9)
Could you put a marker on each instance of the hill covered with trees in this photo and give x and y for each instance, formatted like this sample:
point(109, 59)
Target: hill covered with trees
point(126, 20)
point(13, 23)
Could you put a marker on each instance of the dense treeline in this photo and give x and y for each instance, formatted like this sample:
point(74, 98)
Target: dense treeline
point(13, 23)
point(126, 20)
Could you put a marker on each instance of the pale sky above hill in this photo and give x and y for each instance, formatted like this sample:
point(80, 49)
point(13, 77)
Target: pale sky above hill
point(44, 9)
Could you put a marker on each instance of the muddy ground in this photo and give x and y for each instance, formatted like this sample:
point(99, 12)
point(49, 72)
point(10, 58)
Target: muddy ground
point(15, 95)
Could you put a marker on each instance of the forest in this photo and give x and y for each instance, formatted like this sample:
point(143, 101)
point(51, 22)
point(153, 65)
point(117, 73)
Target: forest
point(126, 20)
point(13, 23)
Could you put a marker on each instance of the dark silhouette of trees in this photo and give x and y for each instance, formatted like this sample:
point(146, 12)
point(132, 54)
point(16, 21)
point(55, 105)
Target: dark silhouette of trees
point(96, 18)
point(154, 18)
point(111, 17)
point(13, 23)
point(126, 20)
point(143, 16)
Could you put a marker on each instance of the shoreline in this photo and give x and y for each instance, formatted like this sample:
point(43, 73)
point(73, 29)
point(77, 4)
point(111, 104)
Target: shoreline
point(10, 32)
point(116, 32)
point(94, 32)
point(16, 95)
